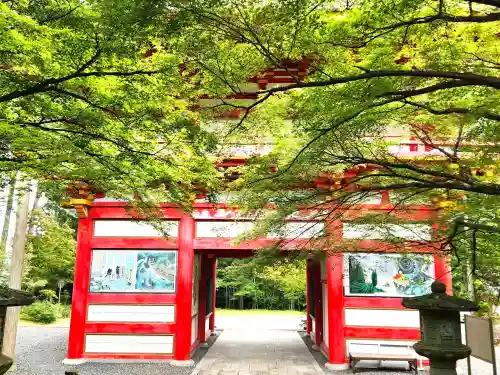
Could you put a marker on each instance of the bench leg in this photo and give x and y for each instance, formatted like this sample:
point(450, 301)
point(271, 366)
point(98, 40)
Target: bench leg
point(413, 366)
point(352, 364)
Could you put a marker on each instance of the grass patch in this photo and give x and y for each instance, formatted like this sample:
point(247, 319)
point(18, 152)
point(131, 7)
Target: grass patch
point(230, 312)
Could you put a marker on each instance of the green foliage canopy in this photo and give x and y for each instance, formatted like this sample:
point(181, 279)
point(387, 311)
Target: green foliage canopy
point(390, 67)
point(51, 251)
point(87, 92)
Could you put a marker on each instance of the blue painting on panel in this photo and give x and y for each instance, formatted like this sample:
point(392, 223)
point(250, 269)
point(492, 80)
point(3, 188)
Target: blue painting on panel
point(132, 271)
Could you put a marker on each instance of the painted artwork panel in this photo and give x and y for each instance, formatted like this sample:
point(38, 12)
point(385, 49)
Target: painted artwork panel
point(196, 284)
point(131, 271)
point(388, 275)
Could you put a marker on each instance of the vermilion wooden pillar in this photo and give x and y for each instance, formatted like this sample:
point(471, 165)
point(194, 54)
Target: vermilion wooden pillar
point(202, 309)
point(318, 304)
point(76, 344)
point(184, 293)
point(336, 336)
point(308, 296)
point(214, 293)
point(442, 271)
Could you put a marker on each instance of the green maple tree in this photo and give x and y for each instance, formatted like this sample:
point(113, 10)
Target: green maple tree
point(404, 68)
point(87, 92)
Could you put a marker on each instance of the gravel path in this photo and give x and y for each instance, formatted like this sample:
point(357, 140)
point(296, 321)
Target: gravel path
point(40, 351)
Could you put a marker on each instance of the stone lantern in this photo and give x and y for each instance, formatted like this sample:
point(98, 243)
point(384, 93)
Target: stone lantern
point(441, 335)
point(10, 298)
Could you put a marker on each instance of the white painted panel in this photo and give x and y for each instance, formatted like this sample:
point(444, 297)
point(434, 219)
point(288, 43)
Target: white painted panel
point(413, 232)
point(313, 325)
point(325, 314)
point(109, 199)
point(196, 284)
point(302, 229)
point(194, 329)
point(273, 84)
point(134, 228)
point(382, 318)
point(228, 229)
point(131, 313)
point(223, 214)
point(249, 87)
point(322, 267)
point(207, 324)
point(124, 344)
point(371, 199)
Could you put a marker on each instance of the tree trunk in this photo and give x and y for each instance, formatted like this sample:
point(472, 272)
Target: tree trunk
point(8, 212)
point(16, 272)
point(469, 280)
point(36, 201)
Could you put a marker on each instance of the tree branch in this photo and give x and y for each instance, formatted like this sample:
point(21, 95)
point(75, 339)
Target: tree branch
point(80, 97)
point(477, 226)
point(491, 17)
point(447, 111)
point(465, 79)
point(494, 3)
point(488, 189)
point(59, 16)
point(49, 84)
point(119, 143)
point(428, 89)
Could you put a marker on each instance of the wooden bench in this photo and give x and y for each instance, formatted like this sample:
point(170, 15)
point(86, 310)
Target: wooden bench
point(355, 358)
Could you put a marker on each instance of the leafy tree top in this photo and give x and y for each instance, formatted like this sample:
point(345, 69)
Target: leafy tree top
point(87, 92)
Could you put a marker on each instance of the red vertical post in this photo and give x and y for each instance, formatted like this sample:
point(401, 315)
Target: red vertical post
point(202, 309)
point(214, 293)
point(318, 304)
point(76, 344)
point(336, 336)
point(184, 294)
point(442, 271)
point(308, 297)
point(442, 268)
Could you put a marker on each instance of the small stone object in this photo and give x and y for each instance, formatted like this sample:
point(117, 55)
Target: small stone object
point(441, 339)
point(10, 297)
point(5, 363)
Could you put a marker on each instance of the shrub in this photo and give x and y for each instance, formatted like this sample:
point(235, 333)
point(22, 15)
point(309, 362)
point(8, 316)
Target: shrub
point(40, 312)
point(62, 311)
point(65, 297)
point(66, 313)
point(49, 294)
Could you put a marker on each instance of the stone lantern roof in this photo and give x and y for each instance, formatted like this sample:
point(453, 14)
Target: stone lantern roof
point(14, 297)
point(439, 300)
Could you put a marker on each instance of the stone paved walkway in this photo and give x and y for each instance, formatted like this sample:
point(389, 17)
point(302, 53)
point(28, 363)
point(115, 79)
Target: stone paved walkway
point(258, 352)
